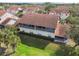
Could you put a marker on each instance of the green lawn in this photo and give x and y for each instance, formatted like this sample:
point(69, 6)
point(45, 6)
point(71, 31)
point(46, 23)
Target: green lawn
point(24, 50)
point(34, 46)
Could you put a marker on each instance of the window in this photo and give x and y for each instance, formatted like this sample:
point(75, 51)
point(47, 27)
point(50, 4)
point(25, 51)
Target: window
point(40, 27)
point(60, 38)
point(50, 30)
point(27, 26)
point(45, 29)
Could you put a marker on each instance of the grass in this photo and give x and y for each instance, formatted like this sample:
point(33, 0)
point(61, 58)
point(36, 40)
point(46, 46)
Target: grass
point(24, 50)
point(34, 46)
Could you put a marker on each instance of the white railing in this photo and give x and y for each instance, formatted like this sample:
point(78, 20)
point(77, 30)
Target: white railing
point(42, 33)
point(37, 32)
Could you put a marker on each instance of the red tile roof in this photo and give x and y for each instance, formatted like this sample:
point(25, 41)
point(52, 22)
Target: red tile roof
point(60, 9)
point(31, 9)
point(34, 7)
point(45, 20)
point(28, 9)
point(14, 8)
point(2, 12)
point(6, 21)
point(60, 30)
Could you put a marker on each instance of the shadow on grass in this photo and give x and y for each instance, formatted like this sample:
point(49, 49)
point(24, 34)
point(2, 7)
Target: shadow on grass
point(34, 40)
point(64, 51)
point(59, 52)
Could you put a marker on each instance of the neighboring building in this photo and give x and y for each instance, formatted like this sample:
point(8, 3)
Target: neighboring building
point(9, 22)
point(43, 25)
point(61, 11)
point(8, 18)
point(2, 12)
point(60, 33)
point(34, 8)
point(26, 9)
point(14, 9)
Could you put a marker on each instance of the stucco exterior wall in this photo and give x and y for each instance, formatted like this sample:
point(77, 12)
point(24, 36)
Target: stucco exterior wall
point(37, 32)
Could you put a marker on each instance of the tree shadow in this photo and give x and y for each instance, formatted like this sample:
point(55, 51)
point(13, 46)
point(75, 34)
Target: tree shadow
point(60, 52)
point(34, 40)
point(64, 51)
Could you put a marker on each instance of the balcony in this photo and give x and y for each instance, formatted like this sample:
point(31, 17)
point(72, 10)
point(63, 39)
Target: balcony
point(37, 32)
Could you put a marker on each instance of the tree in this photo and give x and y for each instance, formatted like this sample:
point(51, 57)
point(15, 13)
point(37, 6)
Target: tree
point(41, 12)
point(72, 32)
point(8, 39)
point(66, 50)
point(48, 6)
point(74, 28)
point(74, 10)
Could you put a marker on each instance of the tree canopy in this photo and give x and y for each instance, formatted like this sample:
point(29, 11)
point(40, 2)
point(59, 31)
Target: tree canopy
point(8, 39)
